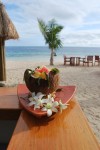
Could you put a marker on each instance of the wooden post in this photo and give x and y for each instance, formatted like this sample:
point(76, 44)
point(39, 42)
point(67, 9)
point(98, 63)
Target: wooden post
point(2, 61)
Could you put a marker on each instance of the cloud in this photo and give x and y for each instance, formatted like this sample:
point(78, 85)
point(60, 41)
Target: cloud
point(80, 20)
point(80, 38)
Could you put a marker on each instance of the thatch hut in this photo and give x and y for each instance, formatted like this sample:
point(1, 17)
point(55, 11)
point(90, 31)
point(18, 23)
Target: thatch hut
point(7, 31)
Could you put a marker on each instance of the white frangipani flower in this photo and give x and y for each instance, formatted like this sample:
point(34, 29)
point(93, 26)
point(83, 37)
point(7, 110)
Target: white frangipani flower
point(62, 106)
point(50, 107)
point(36, 100)
point(46, 104)
point(50, 98)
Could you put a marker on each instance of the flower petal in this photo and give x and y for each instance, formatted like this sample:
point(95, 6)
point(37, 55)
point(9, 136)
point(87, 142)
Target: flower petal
point(64, 106)
point(44, 100)
point(38, 94)
point(31, 103)
point(49, 96)
point(33, 94)
point(49, 112)
point(36, 106)
point(40, 97)
point(36, 98)
point(52, 99)
point(30, 99)
point(44, 109)
point(55, 104)
point(54, 109)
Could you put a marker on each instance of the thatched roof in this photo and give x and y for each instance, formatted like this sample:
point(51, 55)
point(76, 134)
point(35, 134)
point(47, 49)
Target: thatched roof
point(7, 29)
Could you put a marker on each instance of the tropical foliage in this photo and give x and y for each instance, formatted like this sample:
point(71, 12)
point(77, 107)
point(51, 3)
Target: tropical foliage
point(51, 32)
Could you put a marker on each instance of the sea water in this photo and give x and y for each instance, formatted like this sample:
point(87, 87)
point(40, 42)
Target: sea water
point(42, 54)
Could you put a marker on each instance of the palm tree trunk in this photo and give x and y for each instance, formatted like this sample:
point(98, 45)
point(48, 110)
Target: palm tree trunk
point(2, 61)
point(51, 58)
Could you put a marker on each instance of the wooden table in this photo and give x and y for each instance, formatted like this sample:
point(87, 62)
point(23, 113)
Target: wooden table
point(66, 131)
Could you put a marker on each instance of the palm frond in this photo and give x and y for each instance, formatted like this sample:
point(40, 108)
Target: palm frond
point(51, 33)
point(43, 27)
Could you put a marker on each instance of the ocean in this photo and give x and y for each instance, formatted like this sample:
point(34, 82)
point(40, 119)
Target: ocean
point(42, 54)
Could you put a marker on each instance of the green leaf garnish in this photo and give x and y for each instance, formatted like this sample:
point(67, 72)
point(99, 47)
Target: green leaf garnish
point(55, 70)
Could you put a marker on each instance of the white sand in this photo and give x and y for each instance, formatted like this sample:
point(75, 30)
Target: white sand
point(87, 80)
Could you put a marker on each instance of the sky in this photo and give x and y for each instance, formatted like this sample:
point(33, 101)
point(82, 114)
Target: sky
point(80, 19)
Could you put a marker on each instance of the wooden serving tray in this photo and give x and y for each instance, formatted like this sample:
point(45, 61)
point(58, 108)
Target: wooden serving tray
point(65, 94)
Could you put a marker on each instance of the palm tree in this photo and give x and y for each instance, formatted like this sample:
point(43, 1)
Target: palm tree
point(50, 33)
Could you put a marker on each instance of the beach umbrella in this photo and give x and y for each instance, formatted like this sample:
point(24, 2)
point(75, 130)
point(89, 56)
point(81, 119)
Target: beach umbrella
point(7, 31)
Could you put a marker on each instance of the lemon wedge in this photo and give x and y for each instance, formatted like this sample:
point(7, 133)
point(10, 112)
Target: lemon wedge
point(43, 75)
point(36, 74)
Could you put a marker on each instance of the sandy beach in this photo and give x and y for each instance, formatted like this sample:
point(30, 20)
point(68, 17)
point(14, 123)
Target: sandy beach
point(86, 79)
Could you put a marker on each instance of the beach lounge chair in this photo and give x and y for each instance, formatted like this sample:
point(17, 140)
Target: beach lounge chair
point(97, 59)
point(66, 60)
point(88, 60)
